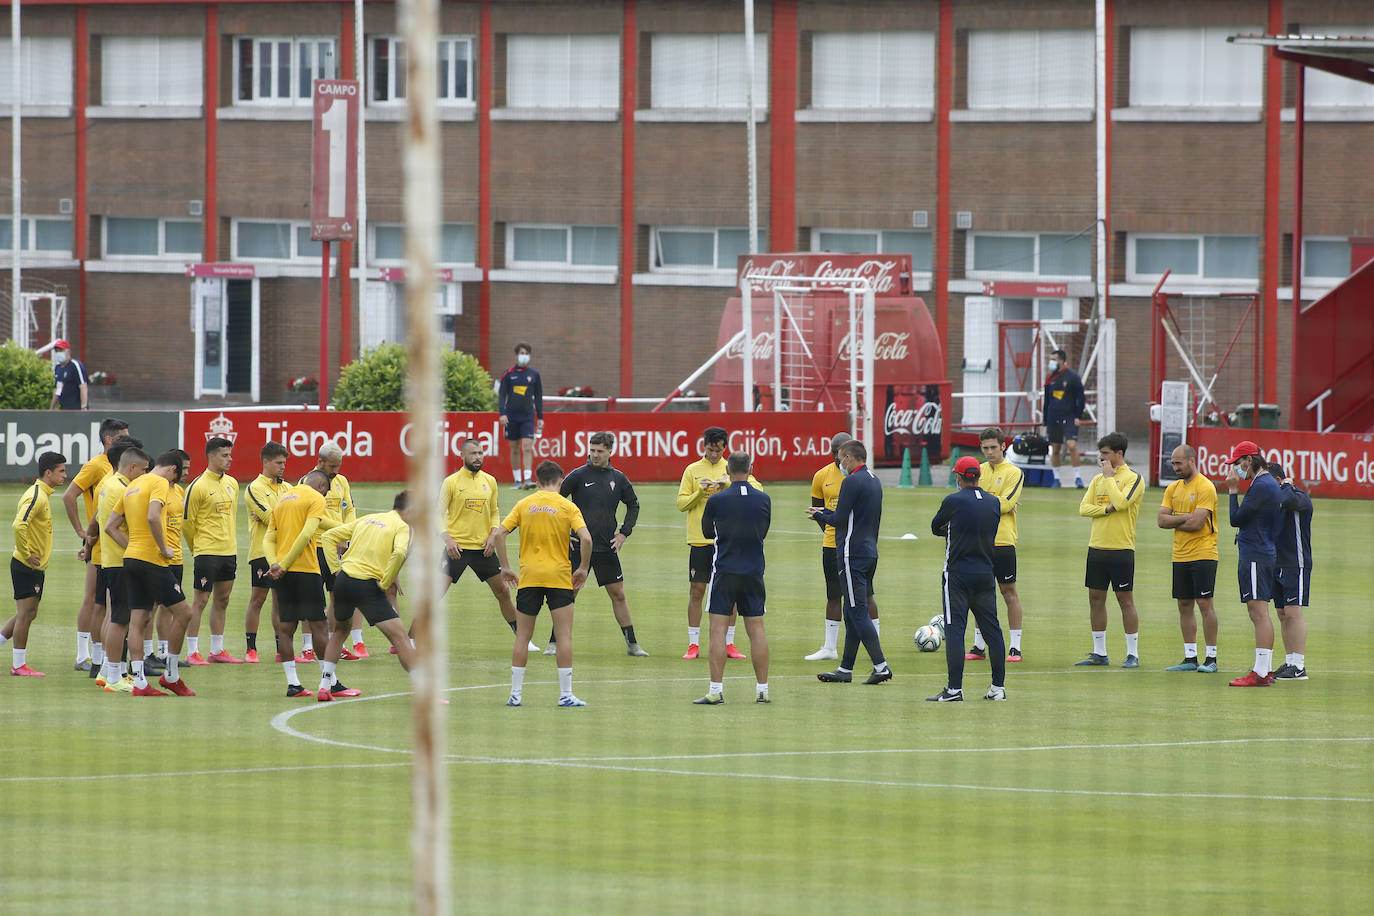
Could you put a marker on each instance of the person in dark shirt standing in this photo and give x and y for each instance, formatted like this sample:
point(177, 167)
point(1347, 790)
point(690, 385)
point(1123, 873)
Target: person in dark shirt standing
point(1254, 519)
point(737, 518)
point(1062, 408)
point(856, 519)
point(597, 489)
point(71, 385)
point(968, 520)
point(520, 401)
point(1292, 573)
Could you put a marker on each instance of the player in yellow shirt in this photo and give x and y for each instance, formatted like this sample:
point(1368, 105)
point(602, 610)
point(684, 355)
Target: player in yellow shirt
point(173, 517)
point(825, 494)
point(259, 499)
point(147, 574)
point(547, 523)
point(211, 529)
point(338, 508)
point(1002, 479)
point(129, 462)
point(365, 582)
point(84, 487)
point(1189, 510)
point(32, 551)
point(1112, 501)
point(291, 548)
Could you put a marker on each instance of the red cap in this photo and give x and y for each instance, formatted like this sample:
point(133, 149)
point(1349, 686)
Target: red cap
point(1243, 448)
point(61, 345)
point(968, 467)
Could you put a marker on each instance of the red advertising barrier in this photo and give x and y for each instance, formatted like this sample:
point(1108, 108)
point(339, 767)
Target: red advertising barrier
point(649, 447)
point(1327, 464)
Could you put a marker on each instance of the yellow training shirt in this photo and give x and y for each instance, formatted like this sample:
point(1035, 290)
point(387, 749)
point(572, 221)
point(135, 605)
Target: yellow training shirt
point(134, 504)
point(468, 501)
point(173, 514)
point(377, 547)
point(338, 502)
point(1182, 497)
point(824, 486)
point(111, 554)
point(1123, 492)
point(1003, 481)
point(691, 498)
point(89, 478)
point(546, 521)
point(260, 498)
point(33, 526)
point(295, 507)
point(211, 515)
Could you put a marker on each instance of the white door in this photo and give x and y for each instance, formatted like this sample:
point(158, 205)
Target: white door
point(226, 331)
point(209, 327)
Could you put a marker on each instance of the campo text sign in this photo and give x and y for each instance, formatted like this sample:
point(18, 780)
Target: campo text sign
point(26, 434)
point(1325, 464)
point(649, 447)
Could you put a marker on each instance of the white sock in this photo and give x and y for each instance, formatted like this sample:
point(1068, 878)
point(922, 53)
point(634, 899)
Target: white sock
point(978, 639)
point(717, 689)
point(1190, 650)
point(565, 682)
point(760, 688)
point(694, 636)
point(327, 674)
point(19, 657)
point(412, 644)
point(355, 636)
point(1299, 660)
point(1211, 652)
point(1099, 642)
point(162, 648)
point(877, 626)
point(3, 639)
point(1016, 639)
point(832, 634)
point(107, 671)
point(1263, 659)
point(192, 645)
point(216, 644)
point(880, 668)
point(139, 679)
point(955, 690)
point(147, 647)
point(172, 676)
point(97, 653)
point(517, 681)
point(83, 646)
point(290, 669)
point(1133, 644)
point(307, 642)
point(123, 670)
point(729, 636)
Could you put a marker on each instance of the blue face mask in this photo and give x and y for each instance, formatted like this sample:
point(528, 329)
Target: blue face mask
point(522, 360)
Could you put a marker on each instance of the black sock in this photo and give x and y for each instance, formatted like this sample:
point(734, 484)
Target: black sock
point(629, 633)
point(252, 639)
point(553, 637)
point(511, 624)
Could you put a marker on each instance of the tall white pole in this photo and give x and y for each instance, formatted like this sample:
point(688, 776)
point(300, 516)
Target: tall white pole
point(19, 327)
point(751, 128)
point(1106, 362)
point(746, 315)
point(360, 72)
point(429, 836)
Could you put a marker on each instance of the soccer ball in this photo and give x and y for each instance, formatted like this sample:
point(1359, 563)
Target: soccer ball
point(938, 622)
point(928, 638)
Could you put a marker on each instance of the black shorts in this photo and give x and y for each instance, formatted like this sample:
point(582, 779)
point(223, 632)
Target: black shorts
point(1256, 580)
point(834, 582)
point(530, 599)
point(1060, 431)
point(1114, 569)
point(111, 580)
point(28, 582)
point(1004, 564)
point(519, 427)
point(1292, 586)
point(365, 595)
point(211, 569)
point(484, 567)
point(700, 561)
point(325, 574)
point(732, 590)
point(1195, 579)
point(605, 564)
point(300, 597)
point(258, 573)
point(178, 571)
point(150, 585)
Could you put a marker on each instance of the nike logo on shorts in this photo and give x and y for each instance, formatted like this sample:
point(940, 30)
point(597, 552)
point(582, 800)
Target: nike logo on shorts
point(1204, 594)
point(1005, 578)
point(1123, 586)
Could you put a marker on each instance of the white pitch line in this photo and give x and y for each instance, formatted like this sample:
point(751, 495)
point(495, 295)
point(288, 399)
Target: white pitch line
point(224, 772)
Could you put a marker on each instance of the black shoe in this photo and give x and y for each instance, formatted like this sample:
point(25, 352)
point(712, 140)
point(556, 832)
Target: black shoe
point(877, 677)
point(835, 677)
point(154, 665)
point(946, 696)
point(1291, 673)
point(296, 690)
point(976, 654)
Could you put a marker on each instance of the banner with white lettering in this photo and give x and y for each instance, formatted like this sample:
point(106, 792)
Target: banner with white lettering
point(75, 434)
point(1324, 464)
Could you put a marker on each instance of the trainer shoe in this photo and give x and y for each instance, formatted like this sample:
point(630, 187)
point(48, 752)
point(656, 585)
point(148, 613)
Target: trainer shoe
point(195, 658)
point(1015, 654)
point(693, 651)
point(307, 656)
point(339, 690)
point(976, 654)
point(1188, 664)
point(877, 677)
point(635, 650)
point(100, 679)
point(345, 655)
point(570, 700)
point(1208, 667)
point(297, 690)
point(947, 696)
point(360, 650)
point(514, 700)
point(1294, 673)
point(324, 696)
point(1094, 661)
point(177, 687)
point(154, 664)
point(550, 649)
point(711, 699)
point(762, 697)
point(823, 654)
point(732, 652)
point(1253, 680)
point(26, 671)
point(835, 677)
point(149, 691)
point(225, 658)
point(83, 665)
point(251, 656)
point(531, 647)
point(123, 685)
point(1131, 662)
point(995, 693)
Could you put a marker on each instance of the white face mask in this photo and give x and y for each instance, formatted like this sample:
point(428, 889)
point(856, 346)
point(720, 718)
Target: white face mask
point(523, 359)
point(60, 356)
point(1242, 472)
point(1054, 365)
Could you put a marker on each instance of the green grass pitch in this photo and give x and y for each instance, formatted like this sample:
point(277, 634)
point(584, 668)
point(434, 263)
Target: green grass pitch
point(1090, 790)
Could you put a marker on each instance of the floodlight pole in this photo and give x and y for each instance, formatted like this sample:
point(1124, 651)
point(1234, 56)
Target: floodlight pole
point(324, 325)
point(16, 179)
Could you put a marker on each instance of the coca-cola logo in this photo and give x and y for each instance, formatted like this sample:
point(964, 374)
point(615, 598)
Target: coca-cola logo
point(923, 421)
point(888, 345)
point(880, 273)
point(763, 346)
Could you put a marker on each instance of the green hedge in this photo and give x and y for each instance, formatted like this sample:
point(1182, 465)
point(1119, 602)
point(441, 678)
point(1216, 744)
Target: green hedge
point(376, 381)
point(26, 380)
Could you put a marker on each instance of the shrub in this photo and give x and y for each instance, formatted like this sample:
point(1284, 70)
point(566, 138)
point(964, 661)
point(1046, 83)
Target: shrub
point(26, 381)
point(376, 381)
point(467, 386)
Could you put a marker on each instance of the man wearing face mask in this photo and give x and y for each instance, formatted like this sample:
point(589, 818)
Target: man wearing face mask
point(1063, 406)
point(520, 400)
point(71, 385)
point(1254, 518)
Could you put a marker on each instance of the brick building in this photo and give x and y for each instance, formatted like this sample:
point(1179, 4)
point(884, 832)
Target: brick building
point(595, 190)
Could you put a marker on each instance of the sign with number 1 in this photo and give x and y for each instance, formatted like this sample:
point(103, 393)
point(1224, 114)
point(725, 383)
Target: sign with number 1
point(334, 161)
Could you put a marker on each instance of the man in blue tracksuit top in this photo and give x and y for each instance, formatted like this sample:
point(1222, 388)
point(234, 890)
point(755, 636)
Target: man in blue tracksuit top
point(1254, 521)
point(1292, 573)
point(856, 518)
point(737, 518)
point(520, 401)
point(968, 520)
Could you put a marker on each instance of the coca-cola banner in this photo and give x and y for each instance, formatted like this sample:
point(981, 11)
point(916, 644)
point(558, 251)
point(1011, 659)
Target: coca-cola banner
point(1324, 464)
point(649, 447)
point(912, 418)
point(889, 274)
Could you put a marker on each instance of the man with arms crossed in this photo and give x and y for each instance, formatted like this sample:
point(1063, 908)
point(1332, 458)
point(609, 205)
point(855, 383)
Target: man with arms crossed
point(260, 498)
point(211, 530)
point(1293, 573)
point(1255, 518)
point(1190, 511)
point(1113, 503)
point(85, 485)
point(1000, 478)
point(32, 551)
point(825, 494)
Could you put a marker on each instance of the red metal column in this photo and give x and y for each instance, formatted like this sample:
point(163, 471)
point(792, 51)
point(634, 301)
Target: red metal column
point(209, 207)
point(782, 112)
point(324, 325)
point(79, 221)
point(942, 237)
point(349, 70)
point(1299, 135)
point(1269, 270)
point(485, 50)
point(629, 52)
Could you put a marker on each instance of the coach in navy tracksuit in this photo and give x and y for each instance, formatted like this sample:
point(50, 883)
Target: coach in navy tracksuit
point(1292, 573)
point(1254, 519)
point(855, 518)
point(968, 521)
point(520, 401)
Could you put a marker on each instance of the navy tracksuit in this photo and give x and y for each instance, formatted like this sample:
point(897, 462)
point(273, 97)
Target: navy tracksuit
point(856, 518)
point(968, 520)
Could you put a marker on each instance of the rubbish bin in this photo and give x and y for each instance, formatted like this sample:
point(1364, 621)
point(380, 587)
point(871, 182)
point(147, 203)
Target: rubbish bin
point(1244, 416)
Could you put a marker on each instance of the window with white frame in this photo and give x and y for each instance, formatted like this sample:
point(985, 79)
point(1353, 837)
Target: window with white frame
point(45, 71)
point(1029, 68)
point(279, 70)
point(1325, 258)
point(535, 246)
point(386, 69)
point(150, 70)
point(457, 243)
point(1327, 90)
point(687, 248)
point(993, 255)
point(150, 237)
point(886, 241)
point(563, 71)
point(274, 240)
point(873, 70)
point(1192, 257)
point(706, 71)
point(1195, 67)
point(49, 235)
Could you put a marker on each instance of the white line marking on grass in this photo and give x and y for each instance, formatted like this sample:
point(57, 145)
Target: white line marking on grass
point(228, 772)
